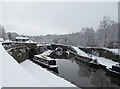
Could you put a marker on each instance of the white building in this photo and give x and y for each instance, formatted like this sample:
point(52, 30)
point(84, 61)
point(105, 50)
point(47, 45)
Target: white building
point(21, 39)
point(1, 40)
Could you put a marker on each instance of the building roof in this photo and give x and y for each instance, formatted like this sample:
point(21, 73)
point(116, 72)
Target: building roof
point(1, 40)
point(21, 38)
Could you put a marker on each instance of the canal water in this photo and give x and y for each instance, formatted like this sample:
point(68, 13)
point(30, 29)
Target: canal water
point(85, 76)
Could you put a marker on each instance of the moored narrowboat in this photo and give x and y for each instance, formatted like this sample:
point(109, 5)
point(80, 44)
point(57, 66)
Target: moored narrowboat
point(46, 61)
point(115, 69)
point(87, 60)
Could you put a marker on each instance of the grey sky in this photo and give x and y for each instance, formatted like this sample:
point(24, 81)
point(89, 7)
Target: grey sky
point(55, 18)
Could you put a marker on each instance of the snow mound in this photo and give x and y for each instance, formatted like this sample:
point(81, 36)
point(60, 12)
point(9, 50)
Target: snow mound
point(45, 76)
point(48, 52)
point(80, 52)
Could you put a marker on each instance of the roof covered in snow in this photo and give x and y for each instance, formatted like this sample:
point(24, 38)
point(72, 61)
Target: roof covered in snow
point(1, 40)
point(48, 52)
point(45, 54)
point(44, 57)
point(21, 38)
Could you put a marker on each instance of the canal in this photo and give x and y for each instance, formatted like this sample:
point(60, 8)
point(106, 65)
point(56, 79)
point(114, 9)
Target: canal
point(85, 76)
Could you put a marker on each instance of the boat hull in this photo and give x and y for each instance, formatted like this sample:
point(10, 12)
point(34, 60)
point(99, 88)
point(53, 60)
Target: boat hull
point(113, 72)
point(86, 62)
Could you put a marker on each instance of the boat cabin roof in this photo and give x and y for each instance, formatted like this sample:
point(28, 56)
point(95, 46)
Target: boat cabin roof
point(45, 57)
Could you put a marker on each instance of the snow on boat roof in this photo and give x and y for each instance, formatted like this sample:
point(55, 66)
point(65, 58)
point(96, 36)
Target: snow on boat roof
point(21, 38)
point(44, 57)
point(45, 54)
point(48, 52)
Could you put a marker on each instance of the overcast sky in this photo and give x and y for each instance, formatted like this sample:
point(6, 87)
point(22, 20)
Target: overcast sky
point(55, 18)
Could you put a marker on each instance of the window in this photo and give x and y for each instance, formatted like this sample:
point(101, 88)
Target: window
point(23, 40)
point(52, 62)
point(16, 39)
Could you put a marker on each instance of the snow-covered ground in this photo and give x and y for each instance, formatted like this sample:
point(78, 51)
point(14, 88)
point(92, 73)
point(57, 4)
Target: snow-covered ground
point(13, 74)
point(80, 52)
point(116, 51)
point(45, 76)
point(103, 61)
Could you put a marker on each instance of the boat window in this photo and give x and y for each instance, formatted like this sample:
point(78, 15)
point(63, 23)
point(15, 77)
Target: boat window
point(52, 62)
point(23, 40)
point(16, 39)
point(35, 57)
point(95, 61)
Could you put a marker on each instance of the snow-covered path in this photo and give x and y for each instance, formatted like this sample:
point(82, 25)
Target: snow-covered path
point(45, 76)
point(103, 61)
point(80, 52)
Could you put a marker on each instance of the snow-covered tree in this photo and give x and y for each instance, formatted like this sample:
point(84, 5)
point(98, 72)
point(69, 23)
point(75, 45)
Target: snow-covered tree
point(3, 33)
point(88, 36)
point(107, 33)
point(12, 35)
point(105, 26)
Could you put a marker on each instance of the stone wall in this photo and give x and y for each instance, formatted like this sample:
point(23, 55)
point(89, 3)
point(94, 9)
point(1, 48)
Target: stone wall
point(21, 51)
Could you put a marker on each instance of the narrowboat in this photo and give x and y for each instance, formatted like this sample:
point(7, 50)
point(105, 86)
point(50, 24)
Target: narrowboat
point(44, 60)
point(115, 69)
point(87, 60)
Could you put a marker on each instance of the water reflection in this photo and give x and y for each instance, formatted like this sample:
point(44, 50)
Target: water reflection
point(83, 75)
